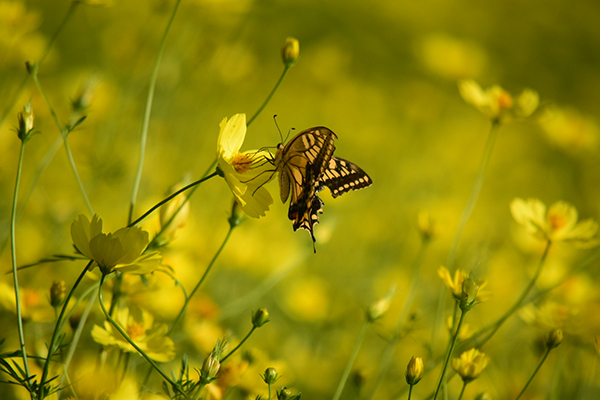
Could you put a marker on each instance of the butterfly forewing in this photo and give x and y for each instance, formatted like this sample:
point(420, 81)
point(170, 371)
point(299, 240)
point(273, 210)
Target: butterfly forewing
point(342, 176)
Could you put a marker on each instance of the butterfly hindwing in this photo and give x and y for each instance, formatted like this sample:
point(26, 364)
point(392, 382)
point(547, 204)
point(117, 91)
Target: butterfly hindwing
point(342, 176)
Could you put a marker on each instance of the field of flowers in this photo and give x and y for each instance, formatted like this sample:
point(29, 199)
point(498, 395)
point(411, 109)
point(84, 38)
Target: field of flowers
point(146, 252)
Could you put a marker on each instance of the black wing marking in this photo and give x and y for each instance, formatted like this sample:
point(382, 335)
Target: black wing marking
point(342, 176)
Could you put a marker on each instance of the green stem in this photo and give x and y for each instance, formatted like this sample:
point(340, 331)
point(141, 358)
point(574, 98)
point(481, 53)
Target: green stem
point(462, 391)
point(147, 112)
point(409, 391)
point(534, 373)
point(475, 191)
point(13, 249)
point(131, 342)
point(449, 354)
point(239, 345)
point(388, 353)
point(285, 70)
point(21, 88)
point(160, 203)
point(269, 398)
point(57, 330)
point(181, 314)
point(64, 132)
point(346, 373)
point(521, 299)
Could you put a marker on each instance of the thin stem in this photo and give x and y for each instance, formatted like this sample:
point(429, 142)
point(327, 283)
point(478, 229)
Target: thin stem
point(410, 388)
point(13, 249)
point(519, 302)
point(160, 203)
point(462, 391)
point(476, 189)
point(285, 70)
point(21, 88)
point(64, 132)
point(147, 112)
point(57, 330)
point(534, 373)
point(269, 398)
point(239, 345)
point(449, 354)
point(346, 373)
point(181, 314)
point(130, 341)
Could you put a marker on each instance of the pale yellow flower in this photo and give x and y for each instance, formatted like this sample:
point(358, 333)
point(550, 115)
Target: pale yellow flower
point(147, 335)
point(455, 285)
point(122, 250)
point(245, 173)
point(570, 129)
point(496, 103)
point(34, 303)
point(470, 364)
point(557, 224)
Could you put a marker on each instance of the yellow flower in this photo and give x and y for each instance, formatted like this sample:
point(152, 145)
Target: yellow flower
point(147, 335)
point(558, 224)
point(247, 172)
point(122, 250)
point(470, 364)
point(497, 103)
point(456, 285)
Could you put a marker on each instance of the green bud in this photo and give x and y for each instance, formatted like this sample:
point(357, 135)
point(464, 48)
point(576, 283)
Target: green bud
point(270, 376)
point(290, 52)
point(58, 292)
point(554, 339)
point(260, 317)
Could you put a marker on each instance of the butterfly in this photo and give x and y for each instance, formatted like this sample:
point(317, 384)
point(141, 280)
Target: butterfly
point(305, 166)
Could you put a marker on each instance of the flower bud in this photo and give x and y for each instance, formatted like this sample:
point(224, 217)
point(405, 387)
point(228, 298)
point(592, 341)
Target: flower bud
point(426, 225)
point(470, 288)
point(210, 368)
point(377, 309)
point(290, 52)
point(260, 317)
point(414, 371)
point(270, 376)
point(25, 119)
point(554, 339)
point(58, 292)
point(286, 394)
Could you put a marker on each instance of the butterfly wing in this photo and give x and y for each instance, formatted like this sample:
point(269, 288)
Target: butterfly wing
point(342, 176)
point(300, 163)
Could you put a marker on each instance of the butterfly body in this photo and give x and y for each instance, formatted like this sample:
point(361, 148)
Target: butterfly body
point(305, 166)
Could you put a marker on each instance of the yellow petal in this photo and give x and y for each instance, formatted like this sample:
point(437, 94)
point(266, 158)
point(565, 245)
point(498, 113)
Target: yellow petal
point(231, 136)
point(143, 264)
point(134, 240)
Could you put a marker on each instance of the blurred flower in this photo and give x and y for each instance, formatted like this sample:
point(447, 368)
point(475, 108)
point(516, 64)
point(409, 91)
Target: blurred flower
point(147, 335)
point(290, 52)
point(380, 307)
point(465, 330)
point(176, 209)
point(414, 370)
point(247, 172)
point(548, 315)
point(558, 224)
point(307, 299)
point(569, 129)
point(450, 57)
point(483, 396)
point(58, 292)
point(470, 364)
point(426, 225)
point(456, 285)
point(19, 37)
point(34, 306)
point(498, 104)
point(122, 250)
point(554, 339)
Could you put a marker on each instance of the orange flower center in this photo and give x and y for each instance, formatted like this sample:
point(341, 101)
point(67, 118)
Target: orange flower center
point(241, 163)
point(31, 298)
point(504, 101)
point(557, 221)
point(135, 330)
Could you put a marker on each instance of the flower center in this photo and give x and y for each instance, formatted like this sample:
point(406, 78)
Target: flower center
point(31, 298)
point(135, 330)
point(504, 101)
point(557, 221)
point(241, 163)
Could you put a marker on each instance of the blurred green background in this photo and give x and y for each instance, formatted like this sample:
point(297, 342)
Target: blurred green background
point(383, 76)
